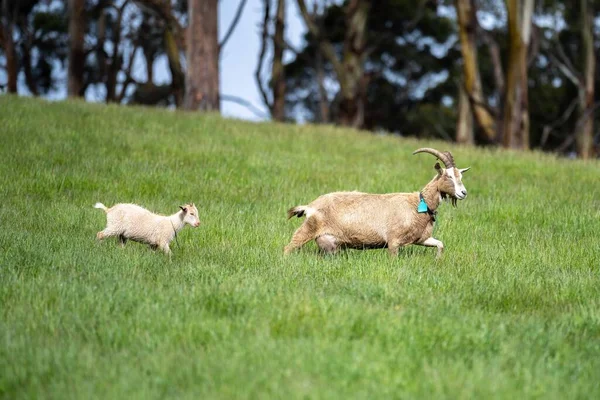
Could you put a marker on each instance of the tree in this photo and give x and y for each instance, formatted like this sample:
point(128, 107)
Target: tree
point(202, 57)
point(349, 68)
point(168, 38)
point(33, 38)
point(464, 118)
point(515, 126)
point(409, 76)
point(585, 127)
point(76, 68)
point(7, 21)
point(202, 54)
point(471, 89)
point(273, 95)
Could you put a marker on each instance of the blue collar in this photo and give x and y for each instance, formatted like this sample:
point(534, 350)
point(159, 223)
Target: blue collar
point(424, 208)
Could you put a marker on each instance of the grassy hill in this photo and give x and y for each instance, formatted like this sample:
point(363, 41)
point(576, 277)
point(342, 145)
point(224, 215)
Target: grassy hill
point(511, 311)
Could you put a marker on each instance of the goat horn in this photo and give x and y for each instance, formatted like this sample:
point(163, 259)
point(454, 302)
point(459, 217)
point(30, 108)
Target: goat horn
point(445, 157)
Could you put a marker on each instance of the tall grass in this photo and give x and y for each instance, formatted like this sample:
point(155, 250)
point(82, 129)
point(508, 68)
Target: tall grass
point(511, 311)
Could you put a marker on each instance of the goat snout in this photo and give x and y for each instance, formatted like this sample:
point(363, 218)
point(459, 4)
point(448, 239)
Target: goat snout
point(461, 194)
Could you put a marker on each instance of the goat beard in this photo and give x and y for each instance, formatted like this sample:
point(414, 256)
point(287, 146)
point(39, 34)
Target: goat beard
point(453, 199)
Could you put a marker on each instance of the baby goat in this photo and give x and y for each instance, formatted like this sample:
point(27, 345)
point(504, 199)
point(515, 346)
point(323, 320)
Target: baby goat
point(363, 220)
point(130, 221)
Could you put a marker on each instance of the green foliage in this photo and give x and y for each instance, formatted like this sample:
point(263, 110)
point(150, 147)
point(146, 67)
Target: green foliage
point(40, 34)
point(511, 311)
point(409, 64)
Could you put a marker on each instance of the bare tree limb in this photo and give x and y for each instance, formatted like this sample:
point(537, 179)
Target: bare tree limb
point(128, 77)
point(589, 112)
point(285, 44)
point(475, 102)
point(261, 57)
point(324, 45)
point(580, 121)
point(567, 71)
point(557, 56)
point(245, 103)
point(116, 62)
point(563, 56)
point(234, 23)
point(566, 143)
point(560, 121)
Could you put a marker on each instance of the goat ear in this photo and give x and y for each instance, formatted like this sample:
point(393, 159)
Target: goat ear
point(184, 209)
point(463, 170)
point(438, 168)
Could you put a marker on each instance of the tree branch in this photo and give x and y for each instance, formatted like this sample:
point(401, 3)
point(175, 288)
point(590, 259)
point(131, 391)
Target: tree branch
point(580, 121)
point(324, 45)
point(475, 102)
point(561, 53)
point(234, 23)
point(571, 74)
point(162, 9)
point(558, 57)
point(128, 77)
point(261, 57)
point(245, 103)
point(561, 120)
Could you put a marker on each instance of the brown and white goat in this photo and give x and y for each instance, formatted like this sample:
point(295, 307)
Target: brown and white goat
point(364, 221)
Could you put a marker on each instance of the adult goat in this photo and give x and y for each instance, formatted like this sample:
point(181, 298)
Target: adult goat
point(364, 221)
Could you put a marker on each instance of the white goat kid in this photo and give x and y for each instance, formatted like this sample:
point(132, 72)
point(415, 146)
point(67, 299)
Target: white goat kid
point(130, 221)
point(363, 220)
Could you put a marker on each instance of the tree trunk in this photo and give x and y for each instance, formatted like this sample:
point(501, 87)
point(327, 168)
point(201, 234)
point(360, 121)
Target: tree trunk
point(76, 50)
point(516, 114)
point(464, 121)
point(277, 71)
point(467, 25)
point(351, 111)
point(202, 58)
point(585, 131)
point(8, 44)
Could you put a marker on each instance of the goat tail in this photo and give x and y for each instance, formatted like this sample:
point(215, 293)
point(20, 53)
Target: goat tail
point(298, 211)
point(102, 206)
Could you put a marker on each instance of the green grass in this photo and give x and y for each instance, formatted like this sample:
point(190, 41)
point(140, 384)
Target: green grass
point(511, 311)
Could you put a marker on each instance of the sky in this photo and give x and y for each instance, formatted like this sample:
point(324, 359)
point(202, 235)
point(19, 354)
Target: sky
point(240, 55)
